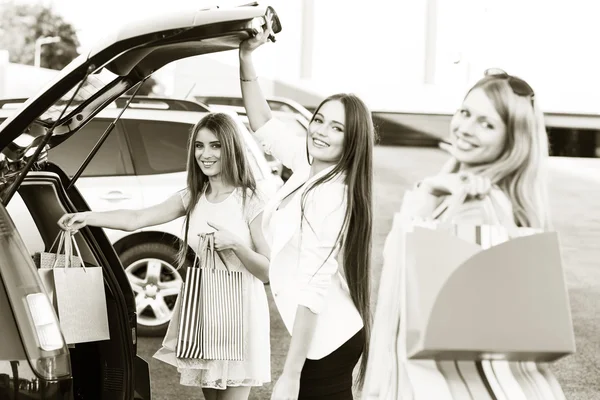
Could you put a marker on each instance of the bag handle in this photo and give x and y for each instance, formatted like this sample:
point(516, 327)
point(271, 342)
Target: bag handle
point(211, 242)
point(61, 239)
point(58, 239)
point(210, 252)
point(199, 248)
point(68, 245)
point(74, 241)
point(208, 240)
point(450, 208)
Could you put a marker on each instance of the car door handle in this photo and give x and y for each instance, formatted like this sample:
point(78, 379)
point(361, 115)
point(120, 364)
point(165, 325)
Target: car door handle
point(115, 195)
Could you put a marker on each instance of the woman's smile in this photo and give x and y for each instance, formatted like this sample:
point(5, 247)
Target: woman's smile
point(208, 164)
point(464, 145)
point(319, 143)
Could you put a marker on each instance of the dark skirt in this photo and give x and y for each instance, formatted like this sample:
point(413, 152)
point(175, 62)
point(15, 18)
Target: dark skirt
point(330, 378)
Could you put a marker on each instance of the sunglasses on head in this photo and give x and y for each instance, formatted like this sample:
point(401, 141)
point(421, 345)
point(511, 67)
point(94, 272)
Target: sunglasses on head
point(518, 85)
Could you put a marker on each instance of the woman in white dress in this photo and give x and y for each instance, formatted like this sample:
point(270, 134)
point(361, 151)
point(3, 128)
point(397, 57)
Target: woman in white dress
point(220, 197)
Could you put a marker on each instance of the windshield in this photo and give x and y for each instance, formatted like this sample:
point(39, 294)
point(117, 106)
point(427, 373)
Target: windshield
point(90, 87)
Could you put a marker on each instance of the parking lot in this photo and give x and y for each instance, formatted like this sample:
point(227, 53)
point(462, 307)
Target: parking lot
point(576, 217)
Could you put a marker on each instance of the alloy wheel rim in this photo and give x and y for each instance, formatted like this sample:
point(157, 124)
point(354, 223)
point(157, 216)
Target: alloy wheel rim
point(156, 285)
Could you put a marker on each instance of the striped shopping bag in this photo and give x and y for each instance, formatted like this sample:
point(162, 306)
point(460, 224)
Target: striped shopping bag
point(478, 380)
point(189, 332)
point(212, 314)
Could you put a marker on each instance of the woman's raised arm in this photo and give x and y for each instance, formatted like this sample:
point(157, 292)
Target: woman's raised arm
point(257, 108)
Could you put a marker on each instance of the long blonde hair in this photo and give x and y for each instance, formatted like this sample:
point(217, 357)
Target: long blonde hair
point(521, 171)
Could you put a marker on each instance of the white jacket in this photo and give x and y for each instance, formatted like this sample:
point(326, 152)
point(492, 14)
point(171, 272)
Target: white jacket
point(306, 263)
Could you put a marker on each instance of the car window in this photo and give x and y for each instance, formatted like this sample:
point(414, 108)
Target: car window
point(158, 147)
point(110, 160)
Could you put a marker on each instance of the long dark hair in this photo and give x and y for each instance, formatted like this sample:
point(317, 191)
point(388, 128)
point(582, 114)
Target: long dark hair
point(355, 237)
point(235, 168)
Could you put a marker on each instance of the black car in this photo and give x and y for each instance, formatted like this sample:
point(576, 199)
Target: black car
point(35, 362)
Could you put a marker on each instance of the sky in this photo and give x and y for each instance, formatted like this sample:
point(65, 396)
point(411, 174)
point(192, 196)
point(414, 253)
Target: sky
point(91, 22)
point(379, 44)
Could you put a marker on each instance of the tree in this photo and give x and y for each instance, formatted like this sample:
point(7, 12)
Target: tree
point(22, 24)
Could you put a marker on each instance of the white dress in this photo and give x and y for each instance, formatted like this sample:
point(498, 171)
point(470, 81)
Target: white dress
point(255, 370)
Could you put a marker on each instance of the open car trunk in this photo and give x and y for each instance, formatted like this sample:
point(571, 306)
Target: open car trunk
point(106, 369)
point(103, 369)
point(94, 80)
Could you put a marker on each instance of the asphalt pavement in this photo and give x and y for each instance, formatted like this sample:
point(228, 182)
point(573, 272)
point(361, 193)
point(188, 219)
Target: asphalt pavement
point(574, 201)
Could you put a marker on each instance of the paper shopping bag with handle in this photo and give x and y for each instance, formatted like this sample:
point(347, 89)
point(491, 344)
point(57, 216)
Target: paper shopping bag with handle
point(45, 261)
point(474, 311)
point(212, 314)
point(79, 295)
point(492, 291)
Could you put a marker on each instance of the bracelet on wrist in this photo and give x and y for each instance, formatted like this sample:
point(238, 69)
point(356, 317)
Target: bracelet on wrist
point(249, 80)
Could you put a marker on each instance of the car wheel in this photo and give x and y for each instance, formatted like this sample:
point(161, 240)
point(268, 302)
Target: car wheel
point(156, 283)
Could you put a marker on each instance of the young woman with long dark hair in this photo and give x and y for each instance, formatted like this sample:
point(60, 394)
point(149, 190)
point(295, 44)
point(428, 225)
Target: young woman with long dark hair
point(220, 197)
point(319, 226)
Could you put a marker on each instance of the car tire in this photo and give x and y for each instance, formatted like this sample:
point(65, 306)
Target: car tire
point(151, 270)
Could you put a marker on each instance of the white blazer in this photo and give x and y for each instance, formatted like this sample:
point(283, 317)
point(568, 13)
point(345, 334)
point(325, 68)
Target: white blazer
point(306, 263)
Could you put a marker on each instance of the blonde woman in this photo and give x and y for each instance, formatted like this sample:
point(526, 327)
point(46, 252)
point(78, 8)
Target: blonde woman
point(499, 148)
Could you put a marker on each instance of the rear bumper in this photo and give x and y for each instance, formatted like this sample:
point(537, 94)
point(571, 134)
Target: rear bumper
point(25, 389)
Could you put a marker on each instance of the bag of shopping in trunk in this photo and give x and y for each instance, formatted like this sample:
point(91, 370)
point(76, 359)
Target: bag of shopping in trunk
point(211, 323)
point(47, 260)
point(76, 290)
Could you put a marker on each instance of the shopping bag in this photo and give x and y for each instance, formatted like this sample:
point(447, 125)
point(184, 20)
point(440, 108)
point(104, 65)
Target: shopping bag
point(481, 380)
point(167, 352)
point(212, 321)
point(189, 339)
point(408, 320)
point(77, 292)
point(49, 259)
point(486, 292)
point(46, 261)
